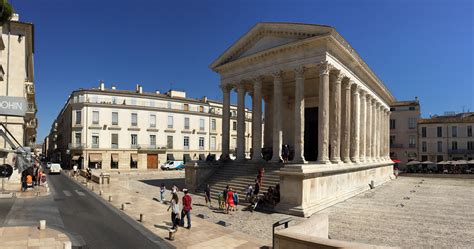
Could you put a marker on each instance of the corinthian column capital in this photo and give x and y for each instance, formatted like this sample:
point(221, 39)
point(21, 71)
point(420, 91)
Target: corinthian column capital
point(277, 75)
point(299, 71)
point(225, 88)
point(325, 67)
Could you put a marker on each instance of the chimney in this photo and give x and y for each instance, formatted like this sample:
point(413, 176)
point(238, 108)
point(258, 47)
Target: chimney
point(157, 91)
point(140, 89)
point(114, 88)
point(416, 98)
point(102, 85)
point(204, 99)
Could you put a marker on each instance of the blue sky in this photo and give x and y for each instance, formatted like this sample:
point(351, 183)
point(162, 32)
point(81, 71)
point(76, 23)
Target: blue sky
point(418, 48)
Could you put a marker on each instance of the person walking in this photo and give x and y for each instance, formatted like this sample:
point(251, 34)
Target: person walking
point(187, 207)
point(248, 192)
point(74, 170)
point(230, 200)
point(286, 153)
point(162, 192)
point(174, 210)
point(226, 190)
point(260, 176)
point(207, 192)
point(236, 199)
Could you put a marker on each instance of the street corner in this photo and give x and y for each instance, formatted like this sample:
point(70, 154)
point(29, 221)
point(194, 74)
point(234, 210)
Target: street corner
point(29, 237)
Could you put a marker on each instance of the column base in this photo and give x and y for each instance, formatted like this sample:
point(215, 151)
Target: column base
point(276, 160)
point(336, 160)
point(298, 161)
point(355, 160)
point(323, 161)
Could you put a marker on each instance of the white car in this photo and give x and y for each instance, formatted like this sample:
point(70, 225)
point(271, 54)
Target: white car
point(173, 165)
point(55, 168)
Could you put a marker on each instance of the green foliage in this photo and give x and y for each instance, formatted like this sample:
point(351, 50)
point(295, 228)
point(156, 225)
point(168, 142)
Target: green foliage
point(6, 11)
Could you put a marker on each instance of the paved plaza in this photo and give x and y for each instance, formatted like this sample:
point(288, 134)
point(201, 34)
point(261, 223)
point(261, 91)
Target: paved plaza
point(30, 237)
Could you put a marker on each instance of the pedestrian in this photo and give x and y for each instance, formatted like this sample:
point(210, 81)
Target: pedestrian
point(74, 170)
point(207, 192)
point(230, 200)
point(257, 187)
point(236, 199)
point(286, 153)
point(174, 189)
point(260, 176)
point(187, 207)
point(226, 190)
point(248, 192)
point(162, 192)
point(174, 210)
point(220, 200)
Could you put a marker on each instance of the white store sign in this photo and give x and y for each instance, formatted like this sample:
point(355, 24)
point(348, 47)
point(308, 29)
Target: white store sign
point(13, 106)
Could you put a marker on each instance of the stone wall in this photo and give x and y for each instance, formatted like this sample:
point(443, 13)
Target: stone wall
point(198, 173)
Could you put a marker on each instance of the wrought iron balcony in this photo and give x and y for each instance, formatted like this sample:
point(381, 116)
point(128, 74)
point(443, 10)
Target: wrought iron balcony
point(150, 147)
point(461, 151)
point(76, 146)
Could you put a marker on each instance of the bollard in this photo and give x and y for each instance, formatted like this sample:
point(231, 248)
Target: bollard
point(142, 217)
point(123, 206)
point(171, 234)
point(100, 192)
point(87, 184)
point(67, 245)
point(110, 198)
point(92, 188)
point(42, 224)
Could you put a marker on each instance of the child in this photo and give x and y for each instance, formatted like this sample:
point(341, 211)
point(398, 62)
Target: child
point(236, 200)
point(220, 199)
point(162, 192)
point(249, 192)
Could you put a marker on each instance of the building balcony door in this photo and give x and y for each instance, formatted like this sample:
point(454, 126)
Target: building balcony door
point(152, 161)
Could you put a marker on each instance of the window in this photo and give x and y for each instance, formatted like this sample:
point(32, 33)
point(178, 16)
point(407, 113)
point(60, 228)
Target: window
point(213, 143)
point(152, 140)
point(424, 158)
point(392, 140)
point(114, 118)
point(134, 119)
point(234, 125)
point(95, 140)
point(423, 146)
point(411, 108)
point(169, 142)
point(469, 131)
point(439, 131)
point(78, 117)
point(95, 117)
point(170, 122)
point(186, 143)
point(423, 131)
point(134, 140)
point(186, 107)
point(201, 143)
point(392, 124)
point(186, 123)
point(439, 158)
point(411, 141)
point(470, 145)
point(440, 146)
point(213, 124)
point(114, 141)
point(152, 120)
point(78, 138)
point(201, 108)
point(411, 123)
point(454, 131)
point(201, 124)
point(454, 145)
point(114, 161)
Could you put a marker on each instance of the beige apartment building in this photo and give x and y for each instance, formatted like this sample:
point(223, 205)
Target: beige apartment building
point(403, 131)
point(121, 129)
point(17, 88)
point(446, 138)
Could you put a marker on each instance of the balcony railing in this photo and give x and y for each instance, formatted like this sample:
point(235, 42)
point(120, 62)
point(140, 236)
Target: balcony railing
point(77, 146)
point(411, 145)
point(396, 145)
point(461, 151)
point(151, 147)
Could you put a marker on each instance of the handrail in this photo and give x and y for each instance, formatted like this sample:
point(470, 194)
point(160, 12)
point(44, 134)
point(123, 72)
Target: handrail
point(277, 224)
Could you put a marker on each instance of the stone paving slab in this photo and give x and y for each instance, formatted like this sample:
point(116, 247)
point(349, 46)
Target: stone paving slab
point(28, 237)
point(203, 234)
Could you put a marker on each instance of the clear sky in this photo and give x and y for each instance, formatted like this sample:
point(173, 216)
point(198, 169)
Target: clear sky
point(418, 48)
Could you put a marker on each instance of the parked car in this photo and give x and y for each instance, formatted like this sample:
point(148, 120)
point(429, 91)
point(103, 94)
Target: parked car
point(173, 165)
point(55, 168)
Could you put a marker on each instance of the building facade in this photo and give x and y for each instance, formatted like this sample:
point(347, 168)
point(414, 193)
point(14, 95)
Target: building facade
point(446, 138)
point(404, 118)
point(319, 98)
point(17, 81)
point(119, 129)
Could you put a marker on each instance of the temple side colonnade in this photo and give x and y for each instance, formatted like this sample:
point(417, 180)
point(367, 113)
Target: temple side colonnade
point(352, 122)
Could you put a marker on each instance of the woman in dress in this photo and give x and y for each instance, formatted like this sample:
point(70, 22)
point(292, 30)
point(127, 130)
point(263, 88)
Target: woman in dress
point(230, 200)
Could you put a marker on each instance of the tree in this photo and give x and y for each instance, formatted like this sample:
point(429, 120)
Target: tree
point(6, 11)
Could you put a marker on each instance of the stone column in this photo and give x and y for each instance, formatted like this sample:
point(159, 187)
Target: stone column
point(363, 124)
point(378, 136)
point(257, 120)
point(277, 118)
point(355, 128)
point(374, 130)
point(346, 121)
point(368, 129)
point(335, 115)
point(323, 114)
point(387, 142)
point(225, 121)
point(376, 140)
point(268, 122)
point(240, 122)
point(299, 115)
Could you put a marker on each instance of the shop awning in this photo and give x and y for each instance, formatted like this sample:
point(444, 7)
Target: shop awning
point(115, 158)
point(187, 158)
point(134, 157)
point(170, 157)
point(95, 158)
point(75, 158)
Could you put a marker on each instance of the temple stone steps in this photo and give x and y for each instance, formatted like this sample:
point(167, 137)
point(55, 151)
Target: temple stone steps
point(239, 176)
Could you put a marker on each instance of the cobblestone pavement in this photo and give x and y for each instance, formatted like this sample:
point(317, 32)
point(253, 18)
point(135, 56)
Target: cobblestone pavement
point(409, 212)
point(23, 237)
point(138, 198)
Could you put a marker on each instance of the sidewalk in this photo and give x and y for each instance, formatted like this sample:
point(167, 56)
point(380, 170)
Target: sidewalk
point(31, 238)
point(14, 190)
point(157, 219)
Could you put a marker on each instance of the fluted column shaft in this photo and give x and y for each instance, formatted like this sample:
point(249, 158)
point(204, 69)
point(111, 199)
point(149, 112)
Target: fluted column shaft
point(346, 122)
point(323, 114)
point(387, 143)
point(335, 115)
point(257, 120)
point(225, 122)
point(363, 123)
point(374, 130)
point(368, 129)
point(277, 119)
point(299, 116)
point(240, 122)
point(379, 133)
point(355, 127)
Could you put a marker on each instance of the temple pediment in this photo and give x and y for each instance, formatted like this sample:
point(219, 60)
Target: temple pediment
point(264, 36)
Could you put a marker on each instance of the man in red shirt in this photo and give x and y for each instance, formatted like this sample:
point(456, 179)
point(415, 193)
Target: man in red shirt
point(187, 207)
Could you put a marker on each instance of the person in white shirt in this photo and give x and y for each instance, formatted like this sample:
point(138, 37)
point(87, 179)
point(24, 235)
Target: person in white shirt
point(74, 168)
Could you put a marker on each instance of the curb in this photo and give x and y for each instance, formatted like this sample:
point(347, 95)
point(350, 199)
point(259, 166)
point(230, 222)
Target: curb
point(161, 242)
